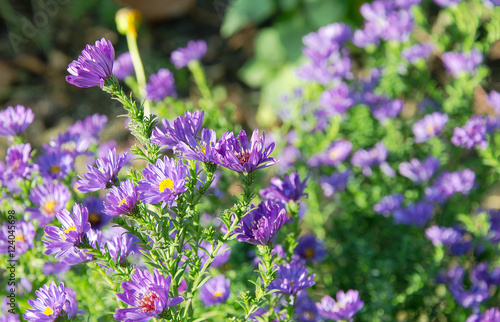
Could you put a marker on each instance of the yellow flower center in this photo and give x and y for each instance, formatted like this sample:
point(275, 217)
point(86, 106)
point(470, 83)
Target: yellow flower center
point(334, 154)
point(69, 146)
point(20, 238)
point(70, 228)
point(309, 253)
point(429, 129)
point(122, 202)
point(217, 295)
point(164, 184)
point(48, 311)
point(55, 169)
point(204, 150)
point(48, 207)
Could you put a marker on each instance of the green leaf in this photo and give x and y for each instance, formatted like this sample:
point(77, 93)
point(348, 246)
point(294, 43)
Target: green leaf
point(243, 12)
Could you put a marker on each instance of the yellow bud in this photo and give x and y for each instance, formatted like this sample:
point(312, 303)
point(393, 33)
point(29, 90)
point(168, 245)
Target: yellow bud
point(127, 21)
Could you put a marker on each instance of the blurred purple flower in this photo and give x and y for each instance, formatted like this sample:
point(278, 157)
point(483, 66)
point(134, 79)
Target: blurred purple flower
point(13, 121)
point(161, 85)
point(311, 249)
point(336, 100)
point(468, 298)
point(446, 3)
point(123, 66)
point(55, 164)
point(383, 108)
point(335, 182)
point(220, 258)
point(494, 101)
point(333, 156)
point(472, 134)
point(416, 52)
point(389, 204)
point(305, 308)
point(328, 39)
point(417, 214)
point(292, 278)
point(49, 199)
point(90, 128)
point(458, 63)
point(419, 172)
point(443, 235)
point(365, 159)
point(490, 315)
point(121, 200)
point(24, 235)
point(97, 218)
point(344, 308)
point(288, 189)
point(104, 175)
point(195, 50)
point(18, 161)
point(449, 183)
point(215, 290)
point(73, 144)
point(429, 126)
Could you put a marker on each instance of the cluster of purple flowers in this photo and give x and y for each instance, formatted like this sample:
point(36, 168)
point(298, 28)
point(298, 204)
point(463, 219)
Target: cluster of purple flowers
point(366, 159)
point(449, 183)
point(347, 304)
point(13, 121)
point(462, 63)
point(161, 85)
point(472, 134)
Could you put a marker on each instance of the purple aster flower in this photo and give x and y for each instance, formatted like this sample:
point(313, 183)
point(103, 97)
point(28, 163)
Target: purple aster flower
point(383, 108)
point(203, 151)
point(262, 223)
point(95, 207)
point(368, 158)
point(24, 234)
point(104, 175)
point(443, 235)
point(336, 100)
point(482, 272)
point(449, 183)
point(305, 308)
point(494, 101)
point(458, 63)
point(447, 3)
point(468, 298)
point(52, 302)
point(13, 121)
point(123, 66)
point(400, 24)
point(148, 294)
point(417, 214)
point(405, 4)
point(215, 290)
point(286, 190)
point(416, 52)
point(169, 136)
point(389, 204)
point(335, 182)
point(220, 258)
point(195, 50)
point(50, 198)
point(55, 164)
point(310, 249)
point(419, 172)
point(121, 200)
point(72, 144)
point(292, 278)
point(17, 160)
point(327, 40)
point(240, 155)
point(94, 65)
point(491, 315)
point(161, 85)
point(163, 182)
point(494, 220)
point(472, 134)
point(119, 248)
point(430, 125)
point(75, 226)
point(344, 308)
point(324, 71)
point(333, 156)
point(58, 268)
point(90, 128)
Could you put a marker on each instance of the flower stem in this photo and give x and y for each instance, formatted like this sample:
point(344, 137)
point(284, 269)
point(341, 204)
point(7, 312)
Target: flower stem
point(138, 67)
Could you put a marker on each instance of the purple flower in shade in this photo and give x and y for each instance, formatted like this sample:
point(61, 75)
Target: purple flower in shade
point(75, 226)
point(468, 298)
point(389, 204)
point(428, 104)
point(220, 258)
point(163, 182)
point(262, 223)
point(327, 40)
point(90, 128)
point(472, 134)
point(368, 158)
point(121, 200)
point(148, 294)
point(286, 190)
point(24, 234)
point(292, 278)
point(344, 308)
point(203, 151)
point(58, 268)
point(400, 24)
point(310, 249)
point(449, 183)
point(13, 121)
point(52, 302)
point(383, 108)
point(491, 315)
point(336, 100)
point(305, 308)
point(93, 66)
point(97, 218)
point(482, 272)
point(55, 164)
point(240, 155)
point(72, 144)
point(169, 136)
point(17, 159)
point(215, 290)
point(494, 101)
point(333, 156)
point(50, 198)
point(335, 182)
point(494, 220)
point(458, 63)
point(123, 66)
point(446, 3)
point(161, 85)
point(443, 235)
point(104, 175)
point(417, 214)
point(416, 52)
point(419, 172)
point(195, 50)
point(430, 125)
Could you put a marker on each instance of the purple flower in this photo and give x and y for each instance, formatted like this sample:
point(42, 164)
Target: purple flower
point(491, 315)
point(472, 134)
point(93, 66)
point(161, 85)
point(468, 298)
point(184, 126)
point(383, 109)
point(24, 235)
point(405, 4)
point(305, 308)
point(335, 182)
point(417, 214)
point(148, 294)
point(368, 158)
point(482, 272)
point(163, 182)
point(327, 40)
point(50, 198)
point(17, 159)
point(52, 302)
point(195, 50)
point(416, 52)
point(13, 121)
point(119, 248)
point(215, 290)
point(97, 218)
point(220, 258)
point(324, 71)
point(336, 100)
point(123, 66)
point(292, 278)
point(55, 164)
point(333, 156)
point(389, 204)
point(419, 172)
point(240, 155)
point(262, 223)
point(121, 200)
point(90, 128)
point(75, 226)
point(446, 3)
point(494, 100)
point(310, 249)
point(458, 63)
point(104, 175)
point(286, 190)
point(443, 235)
point(203, 151)
point(344, 308)
point(72, 144)
point(429, 126)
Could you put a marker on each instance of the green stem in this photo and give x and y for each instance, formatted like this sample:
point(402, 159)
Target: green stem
point(200, 79)
point(139, 69)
